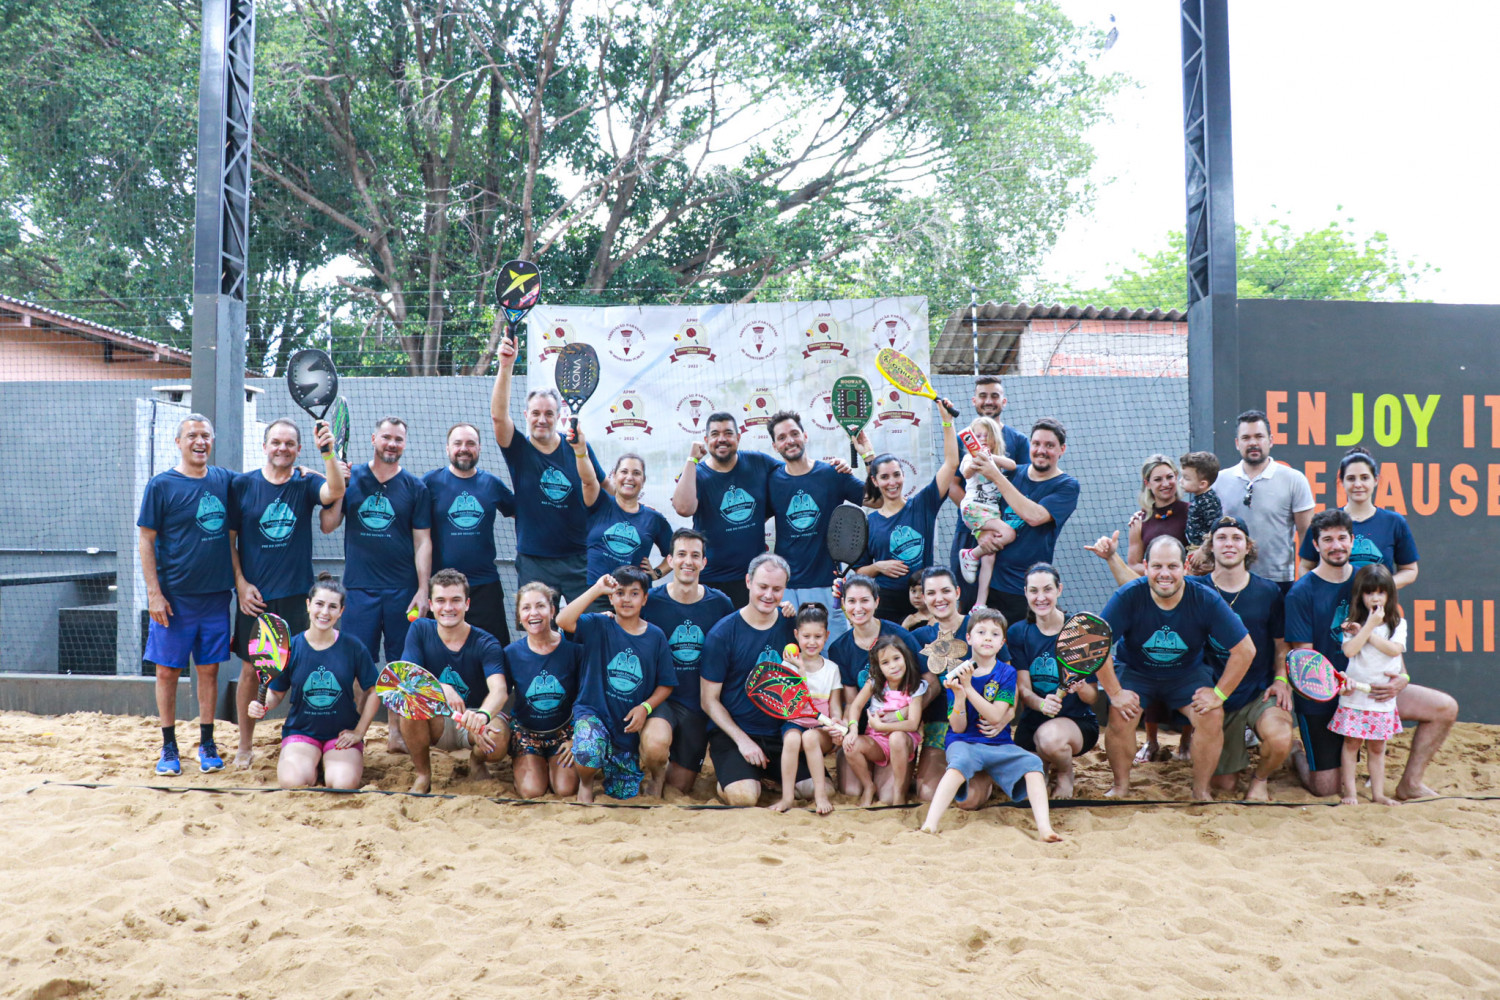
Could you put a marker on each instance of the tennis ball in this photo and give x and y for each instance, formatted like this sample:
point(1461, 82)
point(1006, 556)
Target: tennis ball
point(412, 615)
point(790, 650)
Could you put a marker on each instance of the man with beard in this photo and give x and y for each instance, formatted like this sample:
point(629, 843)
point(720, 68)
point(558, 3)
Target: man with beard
point(1316, 608)
point(802, 494)
point(465, 500)
point(1273, 499)
point(1163, 627)
point(989, 401)
point(271, 547)
point(726, 496)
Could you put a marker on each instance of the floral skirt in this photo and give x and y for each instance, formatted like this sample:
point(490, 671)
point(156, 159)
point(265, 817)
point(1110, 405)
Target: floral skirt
point(1364, 724)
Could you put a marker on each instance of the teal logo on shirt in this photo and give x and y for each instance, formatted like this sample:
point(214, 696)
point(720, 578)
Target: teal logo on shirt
point(451, 678)
point(686, 643)
point(802, 511)
point(1012, 518)
point(1340, 615)
point(621, 539)
point(624, 673)
point(320, 690)
point(907, 545)
point(1043, 675)
point(555, 485)
point(545, 693)
point(277, 521)
point(465, 512)
point(1364, 552)
point(210, 514)
point(1165, 647)
point(737, 505)
point(376, 512)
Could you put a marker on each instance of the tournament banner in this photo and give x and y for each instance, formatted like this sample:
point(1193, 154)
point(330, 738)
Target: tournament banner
point(664, 369)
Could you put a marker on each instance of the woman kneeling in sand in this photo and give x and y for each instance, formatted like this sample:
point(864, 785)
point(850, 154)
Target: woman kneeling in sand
point(543, 671)
point(331, 678)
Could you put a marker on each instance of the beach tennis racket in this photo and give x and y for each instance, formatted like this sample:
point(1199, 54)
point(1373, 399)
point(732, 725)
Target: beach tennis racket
point(577, 376)
point(338, 421)
point(1083, 646)
point(781, 693)
point(312, 381)
point(411, 692)
point(848, 534)
point(517, 289)
point(1315, 677)
point(906, 375)
point(852, 408)
point(271, 647)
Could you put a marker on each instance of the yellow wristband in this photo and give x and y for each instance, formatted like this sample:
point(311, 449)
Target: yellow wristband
point(868, 458)
point(1221, 694)
point(647, 706)
point(692, 459)
point(947, 423)
point(1281, 678)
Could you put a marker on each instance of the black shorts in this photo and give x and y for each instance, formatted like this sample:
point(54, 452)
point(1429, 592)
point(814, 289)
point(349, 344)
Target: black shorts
point(1030, 722)
point(735, 590)
point(689, 734)
point(730, 767)
point(292, 610)
point(1012, 606)
point(1325, 748)
point(488, 610)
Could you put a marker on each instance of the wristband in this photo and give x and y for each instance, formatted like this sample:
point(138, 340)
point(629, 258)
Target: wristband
point(647, 706)
point(488, 718)
point(947, 423)
point(579, 454)
point(1281, 678)
point(1221, 694)
point(692, 459)
point(868, 458)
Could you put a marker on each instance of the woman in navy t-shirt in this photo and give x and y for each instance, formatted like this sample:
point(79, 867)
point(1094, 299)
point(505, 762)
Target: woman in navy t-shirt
point(329, 683)
point(621, 530)
point(901, 530)
point(543, 671)
point(1380, 535)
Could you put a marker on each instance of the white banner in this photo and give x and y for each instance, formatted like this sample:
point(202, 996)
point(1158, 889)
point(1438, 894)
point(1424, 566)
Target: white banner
point(664, 369)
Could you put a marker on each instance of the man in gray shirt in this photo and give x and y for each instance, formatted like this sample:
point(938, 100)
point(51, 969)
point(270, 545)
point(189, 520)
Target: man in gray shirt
point(1273, 499)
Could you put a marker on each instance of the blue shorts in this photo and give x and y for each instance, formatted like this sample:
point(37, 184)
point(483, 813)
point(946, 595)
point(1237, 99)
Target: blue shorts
point(1172, 688)
point(1005, 763)
point(199, 628)
point(368, 614)
point(593, 747)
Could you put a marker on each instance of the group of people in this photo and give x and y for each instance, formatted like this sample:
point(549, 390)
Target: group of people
point(634, 642)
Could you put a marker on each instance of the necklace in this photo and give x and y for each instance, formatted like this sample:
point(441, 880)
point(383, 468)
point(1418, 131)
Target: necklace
point(1225, 594)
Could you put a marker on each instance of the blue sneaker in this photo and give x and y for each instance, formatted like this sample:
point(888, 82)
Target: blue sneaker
point(169, 764)
point(209, 760)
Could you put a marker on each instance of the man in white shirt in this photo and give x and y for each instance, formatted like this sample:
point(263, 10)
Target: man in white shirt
point(1274, 499)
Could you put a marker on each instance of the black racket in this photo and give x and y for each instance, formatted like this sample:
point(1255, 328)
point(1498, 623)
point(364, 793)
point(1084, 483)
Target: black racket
point(312, 381)
point(577, 376)
point(517, 289)
point(852, 408)
point(848, 534)
point(1082, 647)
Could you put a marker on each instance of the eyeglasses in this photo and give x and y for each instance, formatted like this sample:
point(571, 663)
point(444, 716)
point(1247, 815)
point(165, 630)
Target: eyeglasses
point(1250, 492)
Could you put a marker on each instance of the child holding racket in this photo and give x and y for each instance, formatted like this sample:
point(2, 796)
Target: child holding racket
point(893, 694)
point(1375, 644)
point(805, 735)
point(982, 504)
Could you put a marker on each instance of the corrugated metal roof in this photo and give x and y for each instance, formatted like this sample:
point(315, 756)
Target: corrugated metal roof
point(1000, 329)
point(98, 331)
point(1022, 311)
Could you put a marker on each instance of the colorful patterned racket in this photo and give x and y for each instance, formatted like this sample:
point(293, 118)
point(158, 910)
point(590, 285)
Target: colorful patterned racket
point(852, 409)
point(781, 693)
point(338, 421)
point(517, 288)
point(411, 692)
point(1315, 677)
point(577, 376)
point(312, 381)
point(271, 647)
point(1083, 646)
point(905, 374)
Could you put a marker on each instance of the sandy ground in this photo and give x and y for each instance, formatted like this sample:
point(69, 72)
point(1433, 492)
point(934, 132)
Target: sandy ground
point(130, 892)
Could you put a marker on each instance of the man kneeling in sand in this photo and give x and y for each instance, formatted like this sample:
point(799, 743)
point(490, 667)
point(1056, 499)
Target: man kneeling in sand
point(468, 662)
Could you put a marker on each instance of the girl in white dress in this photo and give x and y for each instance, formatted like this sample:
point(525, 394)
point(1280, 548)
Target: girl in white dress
point(1375, 641)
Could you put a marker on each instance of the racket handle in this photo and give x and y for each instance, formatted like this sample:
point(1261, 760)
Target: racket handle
point(952, 410)
point(836, 724)
point(853, 454)
point(573, 425)
point(261, 693)
point(1361, 687)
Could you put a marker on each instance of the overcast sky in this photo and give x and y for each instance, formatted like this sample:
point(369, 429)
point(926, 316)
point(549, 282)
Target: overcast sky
point(1387, 109)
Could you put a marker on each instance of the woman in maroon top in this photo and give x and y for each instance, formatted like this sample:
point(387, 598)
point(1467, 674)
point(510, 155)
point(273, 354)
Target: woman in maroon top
point(1163, 510)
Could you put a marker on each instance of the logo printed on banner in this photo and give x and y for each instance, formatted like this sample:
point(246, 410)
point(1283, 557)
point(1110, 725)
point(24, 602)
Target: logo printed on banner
point(825, 341)
point(894, 331)
point(759, 340)
point(555, 335)
point(691, 346)
point(627, 417)
point(893, 412)
point(692, 413)
point(909, 476)
point(820, 410)
point(759, 409)
point(627, 342)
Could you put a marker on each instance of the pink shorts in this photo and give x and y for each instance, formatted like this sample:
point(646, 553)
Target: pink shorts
point(323, 745)
point(1365, 725)
point(883, 741)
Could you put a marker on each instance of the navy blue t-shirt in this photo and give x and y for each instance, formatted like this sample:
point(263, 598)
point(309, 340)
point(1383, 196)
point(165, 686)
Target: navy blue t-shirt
point(730, 653)
point(463, 521)
point(616, 538)
point(1033, 545)
point(551, 522)
point(620, 671)
point(1036, 653)
point(1383, 537)
point(999, 685)
point(906, 535)
point(732, 511)
point(465, 671)
point(191, 518)
point(1018, 450)
point(321, 682)
point(275, 531)
point(379, 518)
point(801, 505)
point(545, 686)
point(1262, 609)
point(1315, 613)
point(854, 662)
point(686, 627)
point(1152, 640)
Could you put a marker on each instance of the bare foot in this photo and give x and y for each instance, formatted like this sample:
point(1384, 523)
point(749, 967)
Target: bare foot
point(1349, 800)
point(1064, 788)
point(1386, 800)
point(1049, 836)
point(1184, 748)
point(867, 795)
point(421, 783)
point(782, 804)
point(1422, 792)
point(243, 758)
point(1202, 796)
point(1259, 791)
point(1147, 753)
point(394, 743)
point(1117, 792)
point(820, 800)
point(481, 769)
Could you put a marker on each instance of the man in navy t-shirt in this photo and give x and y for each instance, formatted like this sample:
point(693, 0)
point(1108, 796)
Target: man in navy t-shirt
point(186, 514)
point(465, 500)
point(271, 542)
point(686, 611)
point(1039, 499)
point(724, 491)
point(802, 494)
point(989, 401)
point(1162, 627)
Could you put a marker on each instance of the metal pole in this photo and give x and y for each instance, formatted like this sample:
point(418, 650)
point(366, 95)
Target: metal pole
point(974, 323)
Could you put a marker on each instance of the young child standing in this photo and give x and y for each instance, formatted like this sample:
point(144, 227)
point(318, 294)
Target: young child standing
point(895, 682)
point(982, 504)
point(801, 736)
point(919, 615)
point(982, 693)
point(1375, 644)
point(1199, 470)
